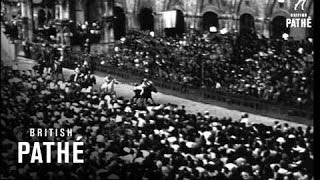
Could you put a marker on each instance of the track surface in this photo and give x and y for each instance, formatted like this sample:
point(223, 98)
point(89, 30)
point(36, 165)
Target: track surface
point(125, 90)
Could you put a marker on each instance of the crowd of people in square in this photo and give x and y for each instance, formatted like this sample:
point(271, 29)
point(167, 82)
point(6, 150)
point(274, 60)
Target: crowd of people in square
point(124, 140)
point(275, 70)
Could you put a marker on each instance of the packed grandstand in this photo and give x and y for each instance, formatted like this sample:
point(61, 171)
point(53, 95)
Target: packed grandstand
point(270, 69)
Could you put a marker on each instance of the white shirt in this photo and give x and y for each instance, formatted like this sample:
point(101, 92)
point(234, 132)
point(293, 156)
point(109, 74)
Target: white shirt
point(245, 120)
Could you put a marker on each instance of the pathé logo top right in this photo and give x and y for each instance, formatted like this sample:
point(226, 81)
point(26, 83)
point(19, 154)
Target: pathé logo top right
point(301, 3)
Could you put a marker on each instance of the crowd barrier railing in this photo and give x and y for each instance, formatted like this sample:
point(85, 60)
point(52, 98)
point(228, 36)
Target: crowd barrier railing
point(263, 107)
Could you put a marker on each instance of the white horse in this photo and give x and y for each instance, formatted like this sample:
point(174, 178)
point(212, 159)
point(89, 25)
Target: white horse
point(108, 85)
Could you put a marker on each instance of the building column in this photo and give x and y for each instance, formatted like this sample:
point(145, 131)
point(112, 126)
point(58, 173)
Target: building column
point(62, 17)
point(158, 24)
point(80, 14)
point(27, 20)
point(259, 25)
point(107, 24)
point(267, 27)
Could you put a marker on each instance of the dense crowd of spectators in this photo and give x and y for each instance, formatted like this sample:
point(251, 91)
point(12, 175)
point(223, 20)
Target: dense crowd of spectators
point(271, 69)
point(86, 30)
point(126, 141)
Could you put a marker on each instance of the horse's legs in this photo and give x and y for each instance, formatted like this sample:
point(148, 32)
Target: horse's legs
point(148, 99)
point(152, 100)
point(140, 100)
point(61, 76)
point(134, 99)
point(144, 101)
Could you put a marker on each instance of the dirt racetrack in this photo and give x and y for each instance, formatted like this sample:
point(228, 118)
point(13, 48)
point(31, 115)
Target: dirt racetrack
point(125, 90)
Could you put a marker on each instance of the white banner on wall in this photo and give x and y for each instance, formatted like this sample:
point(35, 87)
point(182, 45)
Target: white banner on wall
point(223, 31)
point(169, 19)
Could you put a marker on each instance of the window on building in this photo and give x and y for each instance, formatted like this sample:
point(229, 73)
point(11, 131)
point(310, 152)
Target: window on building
point(281, 3)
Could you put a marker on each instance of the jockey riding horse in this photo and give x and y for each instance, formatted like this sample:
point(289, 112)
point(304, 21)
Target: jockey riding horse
point(144, 91)
point(108, 86)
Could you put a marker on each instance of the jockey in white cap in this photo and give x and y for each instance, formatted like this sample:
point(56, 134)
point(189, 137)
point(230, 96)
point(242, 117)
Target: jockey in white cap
point(145, 82)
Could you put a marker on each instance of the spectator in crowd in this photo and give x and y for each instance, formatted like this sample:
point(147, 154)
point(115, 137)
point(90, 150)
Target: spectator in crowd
point(57, 70)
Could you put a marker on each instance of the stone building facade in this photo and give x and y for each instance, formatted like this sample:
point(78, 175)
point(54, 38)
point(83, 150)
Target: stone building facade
point(266, 17)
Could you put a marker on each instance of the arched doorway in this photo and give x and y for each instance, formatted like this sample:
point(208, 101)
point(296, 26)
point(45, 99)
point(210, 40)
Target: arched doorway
point(247, 24)
point(119, 26)
point(41, 17)
point(180, 25)
point(91, 11)
point(209, 19)
point(146, 19)
point(278, 27)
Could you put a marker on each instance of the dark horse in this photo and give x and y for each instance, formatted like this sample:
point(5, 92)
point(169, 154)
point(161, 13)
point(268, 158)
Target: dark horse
point(147, 93)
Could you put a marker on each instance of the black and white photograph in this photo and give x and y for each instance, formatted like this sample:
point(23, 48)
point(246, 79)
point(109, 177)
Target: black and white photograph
point(157, 90)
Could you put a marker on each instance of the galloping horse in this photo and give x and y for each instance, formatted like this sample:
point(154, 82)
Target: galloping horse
point(108, 86)
point(147, 93)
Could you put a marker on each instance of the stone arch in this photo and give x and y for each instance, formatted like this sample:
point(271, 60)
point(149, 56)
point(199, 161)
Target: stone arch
point(278, 26)
point(283, 13)
point(121, 5)
point(41, 17)
point(206, 21)
point(210, 8)
point(246, 10)
point(90, 7)
point(146, 19)
point(242, 8)
point(119, 24)
point(209, 19)
point(274, 7)
point(178, 7)
point(179, 28)
point(138, 5)
point(247, 24)
point(141, 4)
point(180, 23)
